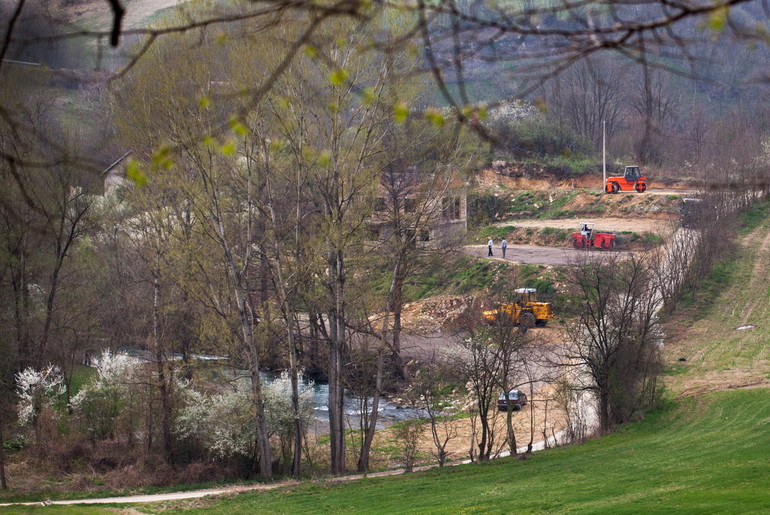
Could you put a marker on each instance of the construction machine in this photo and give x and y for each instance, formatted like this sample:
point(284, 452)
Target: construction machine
point(587, 237)
point(631, 180)
point(525, 311)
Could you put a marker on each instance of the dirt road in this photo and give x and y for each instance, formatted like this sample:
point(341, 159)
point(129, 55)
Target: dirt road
point(531, 255)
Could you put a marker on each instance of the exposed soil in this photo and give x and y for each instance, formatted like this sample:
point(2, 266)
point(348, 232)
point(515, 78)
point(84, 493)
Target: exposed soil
point(603, 224)
point(528, 176)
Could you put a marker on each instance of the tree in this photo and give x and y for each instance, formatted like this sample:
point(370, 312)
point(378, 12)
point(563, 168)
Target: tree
point(616, 339)
point(480, 363)
point(433, 389)
point(587, 94)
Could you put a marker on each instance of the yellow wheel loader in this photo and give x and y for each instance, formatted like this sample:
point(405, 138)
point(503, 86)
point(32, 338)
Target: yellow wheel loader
point(525, 311)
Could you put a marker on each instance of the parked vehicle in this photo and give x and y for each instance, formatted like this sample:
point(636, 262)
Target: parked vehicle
point(631, 180)
point(516, 400)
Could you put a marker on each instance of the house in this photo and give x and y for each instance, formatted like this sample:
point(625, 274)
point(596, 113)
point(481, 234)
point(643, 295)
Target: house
point(430, 208)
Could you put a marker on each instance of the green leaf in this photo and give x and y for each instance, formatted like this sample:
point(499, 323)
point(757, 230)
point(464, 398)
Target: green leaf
point(718, 19)
point(228, 149)
point(325, 157)
point(368, 94)
point(333, 107)
point(237, 127)
point(162, 158)
point(338, 77)
point(275, 145)
point(204, 102)
point(400, 111)
point(135, 174)
point(311, 51)
point(435, 116)
point(208, 141)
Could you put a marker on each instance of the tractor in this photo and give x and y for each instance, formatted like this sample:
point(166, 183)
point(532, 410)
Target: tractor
point(525, 311)
point(631, 180)
point(587, 237)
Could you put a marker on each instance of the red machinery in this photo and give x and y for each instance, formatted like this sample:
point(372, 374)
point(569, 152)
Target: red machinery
point(586, 237)
point(631, 180)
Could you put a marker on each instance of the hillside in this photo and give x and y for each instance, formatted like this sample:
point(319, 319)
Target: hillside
point(705, 450)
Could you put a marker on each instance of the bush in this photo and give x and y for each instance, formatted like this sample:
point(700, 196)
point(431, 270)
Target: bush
point(538, 136)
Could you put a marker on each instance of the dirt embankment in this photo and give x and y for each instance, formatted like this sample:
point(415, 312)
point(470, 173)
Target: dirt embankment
point(531, 176)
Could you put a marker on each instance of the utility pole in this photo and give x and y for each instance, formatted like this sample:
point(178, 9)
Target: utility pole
point(604, 154)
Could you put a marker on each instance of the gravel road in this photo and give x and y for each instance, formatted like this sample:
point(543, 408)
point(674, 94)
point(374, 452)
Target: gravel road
point(530, 255)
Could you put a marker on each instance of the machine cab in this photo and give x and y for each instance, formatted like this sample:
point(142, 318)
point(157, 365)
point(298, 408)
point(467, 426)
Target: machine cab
point(586, 229)
point(632, 173)
point(524, 295)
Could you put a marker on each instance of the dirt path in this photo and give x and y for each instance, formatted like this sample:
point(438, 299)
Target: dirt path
point(197, 494)
point(532, 255)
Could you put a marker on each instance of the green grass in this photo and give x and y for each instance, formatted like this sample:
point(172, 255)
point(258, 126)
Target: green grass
point(59, 510)
point(754, 216)
point(705, 455)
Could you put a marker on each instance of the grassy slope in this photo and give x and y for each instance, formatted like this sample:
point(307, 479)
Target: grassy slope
point(718, 356)
point(704, 455)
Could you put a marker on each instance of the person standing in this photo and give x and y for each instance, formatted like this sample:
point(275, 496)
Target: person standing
point(489, 245)
point(503, 245)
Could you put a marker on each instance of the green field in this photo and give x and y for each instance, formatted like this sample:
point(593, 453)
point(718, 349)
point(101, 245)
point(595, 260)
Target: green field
point(705, 455)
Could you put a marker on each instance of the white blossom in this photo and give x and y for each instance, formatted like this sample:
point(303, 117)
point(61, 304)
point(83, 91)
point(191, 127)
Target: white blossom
point(36, 389)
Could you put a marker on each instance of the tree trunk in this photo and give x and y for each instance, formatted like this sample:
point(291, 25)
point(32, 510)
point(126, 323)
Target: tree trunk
point(366, 447)
point(3, 482)
point(160, 370)
point(511, 435)
point(336, 358)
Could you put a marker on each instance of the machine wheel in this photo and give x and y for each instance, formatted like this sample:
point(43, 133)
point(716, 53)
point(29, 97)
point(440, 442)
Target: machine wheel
point(526, 320)
point(641, 187)
point(578, 243)
point(541, 323)
point(615, 187)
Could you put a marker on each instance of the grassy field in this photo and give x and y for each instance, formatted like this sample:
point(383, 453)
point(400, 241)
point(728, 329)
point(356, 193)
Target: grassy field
point(707, 454)
point(724, 340)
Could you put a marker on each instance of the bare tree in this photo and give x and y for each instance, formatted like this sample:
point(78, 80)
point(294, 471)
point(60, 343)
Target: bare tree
point(433, 389)
point(480, 363)
point(587, 94)
point(616, 339)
